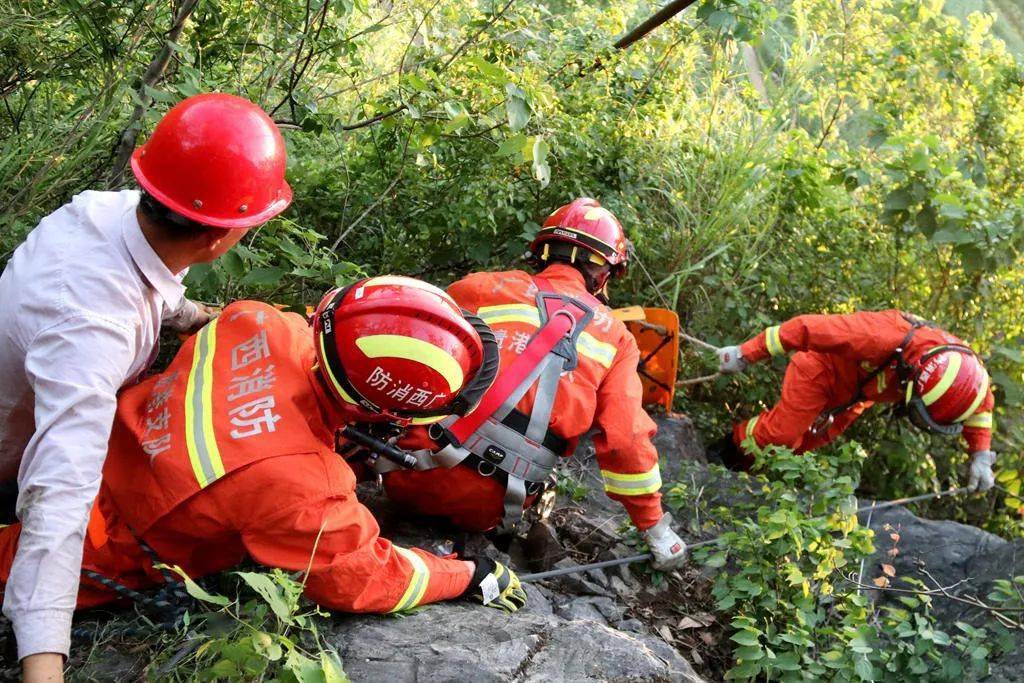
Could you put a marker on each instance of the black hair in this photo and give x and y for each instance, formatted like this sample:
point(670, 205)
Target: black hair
point(170, 222)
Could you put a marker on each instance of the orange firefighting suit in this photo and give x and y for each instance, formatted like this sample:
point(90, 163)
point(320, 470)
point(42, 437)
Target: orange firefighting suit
point(604, 392)
point(229, 454)
point(835, 353)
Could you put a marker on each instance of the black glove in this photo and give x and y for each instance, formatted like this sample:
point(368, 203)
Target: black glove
point(495, 585)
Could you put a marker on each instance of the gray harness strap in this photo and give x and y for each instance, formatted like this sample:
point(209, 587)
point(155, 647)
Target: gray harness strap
point(521, 456)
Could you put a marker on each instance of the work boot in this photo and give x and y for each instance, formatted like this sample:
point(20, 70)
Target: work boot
point(726, 453)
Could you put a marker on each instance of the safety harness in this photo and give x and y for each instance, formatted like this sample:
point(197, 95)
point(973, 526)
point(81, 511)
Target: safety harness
point(906, 375)
point(496, 439)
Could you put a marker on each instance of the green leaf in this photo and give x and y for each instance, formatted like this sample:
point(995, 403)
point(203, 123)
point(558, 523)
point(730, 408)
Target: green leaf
point(333, 672)
point(750, 653)
point(264, 276)
point(303, 668)
point(862, 667)
point(541, 170)
point(194, 589)
point(516, 107)
point(270, 592)
point(746, 638)
point(717, 560)
point(1013, 354)
point(457, 123)
point(787, 661)
point(490, 71)
point(512, 145)
point(454, 109)
point(415, 81)
point(898, 200)
point(744, 671)
point(233, 264)
point(159, 95)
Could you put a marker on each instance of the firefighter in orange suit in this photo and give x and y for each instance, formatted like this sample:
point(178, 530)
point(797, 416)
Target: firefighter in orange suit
point(230, 453)
point(589, 382)
point(844, 364)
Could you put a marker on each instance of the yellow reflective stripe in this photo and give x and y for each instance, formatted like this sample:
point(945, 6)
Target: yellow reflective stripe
point(980, 420)
point(600, 351)
point(402, 281)
point(418, 350)
point(587, 344)
point(749, 431)
point(200, 440)
point(417, 582)
point(511, 313)
point(330, 375)
point(880, 383)
point(952, 370)
point(774, 341)
point(982, 393)
point(427, 420)
point(638, 484)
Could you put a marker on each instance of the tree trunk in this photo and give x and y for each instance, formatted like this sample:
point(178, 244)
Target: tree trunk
point(155, 71)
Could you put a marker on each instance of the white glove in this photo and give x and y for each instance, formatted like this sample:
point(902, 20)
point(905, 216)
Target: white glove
point(731, 361)
point(668, 549)
point(982, 477)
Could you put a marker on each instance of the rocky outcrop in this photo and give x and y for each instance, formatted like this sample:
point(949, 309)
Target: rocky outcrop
point(553, 639)
point(962, 559)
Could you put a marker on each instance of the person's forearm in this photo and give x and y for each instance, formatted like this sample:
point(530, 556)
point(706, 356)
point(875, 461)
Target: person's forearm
point(45, 667)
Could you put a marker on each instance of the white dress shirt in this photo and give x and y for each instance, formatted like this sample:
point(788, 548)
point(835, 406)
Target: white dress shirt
point(81, 303)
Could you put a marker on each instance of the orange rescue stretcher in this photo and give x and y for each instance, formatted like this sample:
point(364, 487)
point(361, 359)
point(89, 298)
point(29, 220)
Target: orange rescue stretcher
point(656, 331)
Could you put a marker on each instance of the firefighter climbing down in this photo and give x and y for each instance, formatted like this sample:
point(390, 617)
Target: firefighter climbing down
point(844, 364)
point(567, 366)
point(251, 404)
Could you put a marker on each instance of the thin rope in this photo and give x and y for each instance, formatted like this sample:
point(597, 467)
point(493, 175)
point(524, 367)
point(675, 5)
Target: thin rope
point(698, 380)
point(539, 576)
point(664, 302)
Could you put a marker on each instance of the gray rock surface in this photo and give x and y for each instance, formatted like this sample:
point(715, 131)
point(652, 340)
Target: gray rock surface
point(459, 642)
point(962, 558)
point(949, 551)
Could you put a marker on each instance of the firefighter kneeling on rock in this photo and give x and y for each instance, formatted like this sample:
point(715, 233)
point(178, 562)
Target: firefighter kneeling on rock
point(567, 366)
point(230, 453)
point(844, 364)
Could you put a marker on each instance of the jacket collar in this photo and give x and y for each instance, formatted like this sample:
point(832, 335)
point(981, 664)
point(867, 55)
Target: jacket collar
point(564, 274)
point(167, 285)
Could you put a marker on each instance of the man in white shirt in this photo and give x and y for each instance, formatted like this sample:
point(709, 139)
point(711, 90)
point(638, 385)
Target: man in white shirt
point(81, 305)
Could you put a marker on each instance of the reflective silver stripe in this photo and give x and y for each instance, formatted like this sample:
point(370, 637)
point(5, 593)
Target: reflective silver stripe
point(600, 351)
point(200, 440)
point(632, 484)
point(510, 313)
point(417, 583)
point(773, 341)
point(980, 420)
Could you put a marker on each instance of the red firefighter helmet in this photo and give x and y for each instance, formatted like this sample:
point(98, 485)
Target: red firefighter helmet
point(398, 349)
point(583, 224)
point(948, 386)
point(216, 159)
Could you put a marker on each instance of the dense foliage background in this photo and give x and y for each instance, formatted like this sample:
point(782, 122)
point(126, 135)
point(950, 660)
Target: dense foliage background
point(768, 158)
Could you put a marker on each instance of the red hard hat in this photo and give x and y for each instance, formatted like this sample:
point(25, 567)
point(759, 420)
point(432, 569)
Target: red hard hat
point(585, 223)
point(399, 349)
point(216, 159)
point(951, 383)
